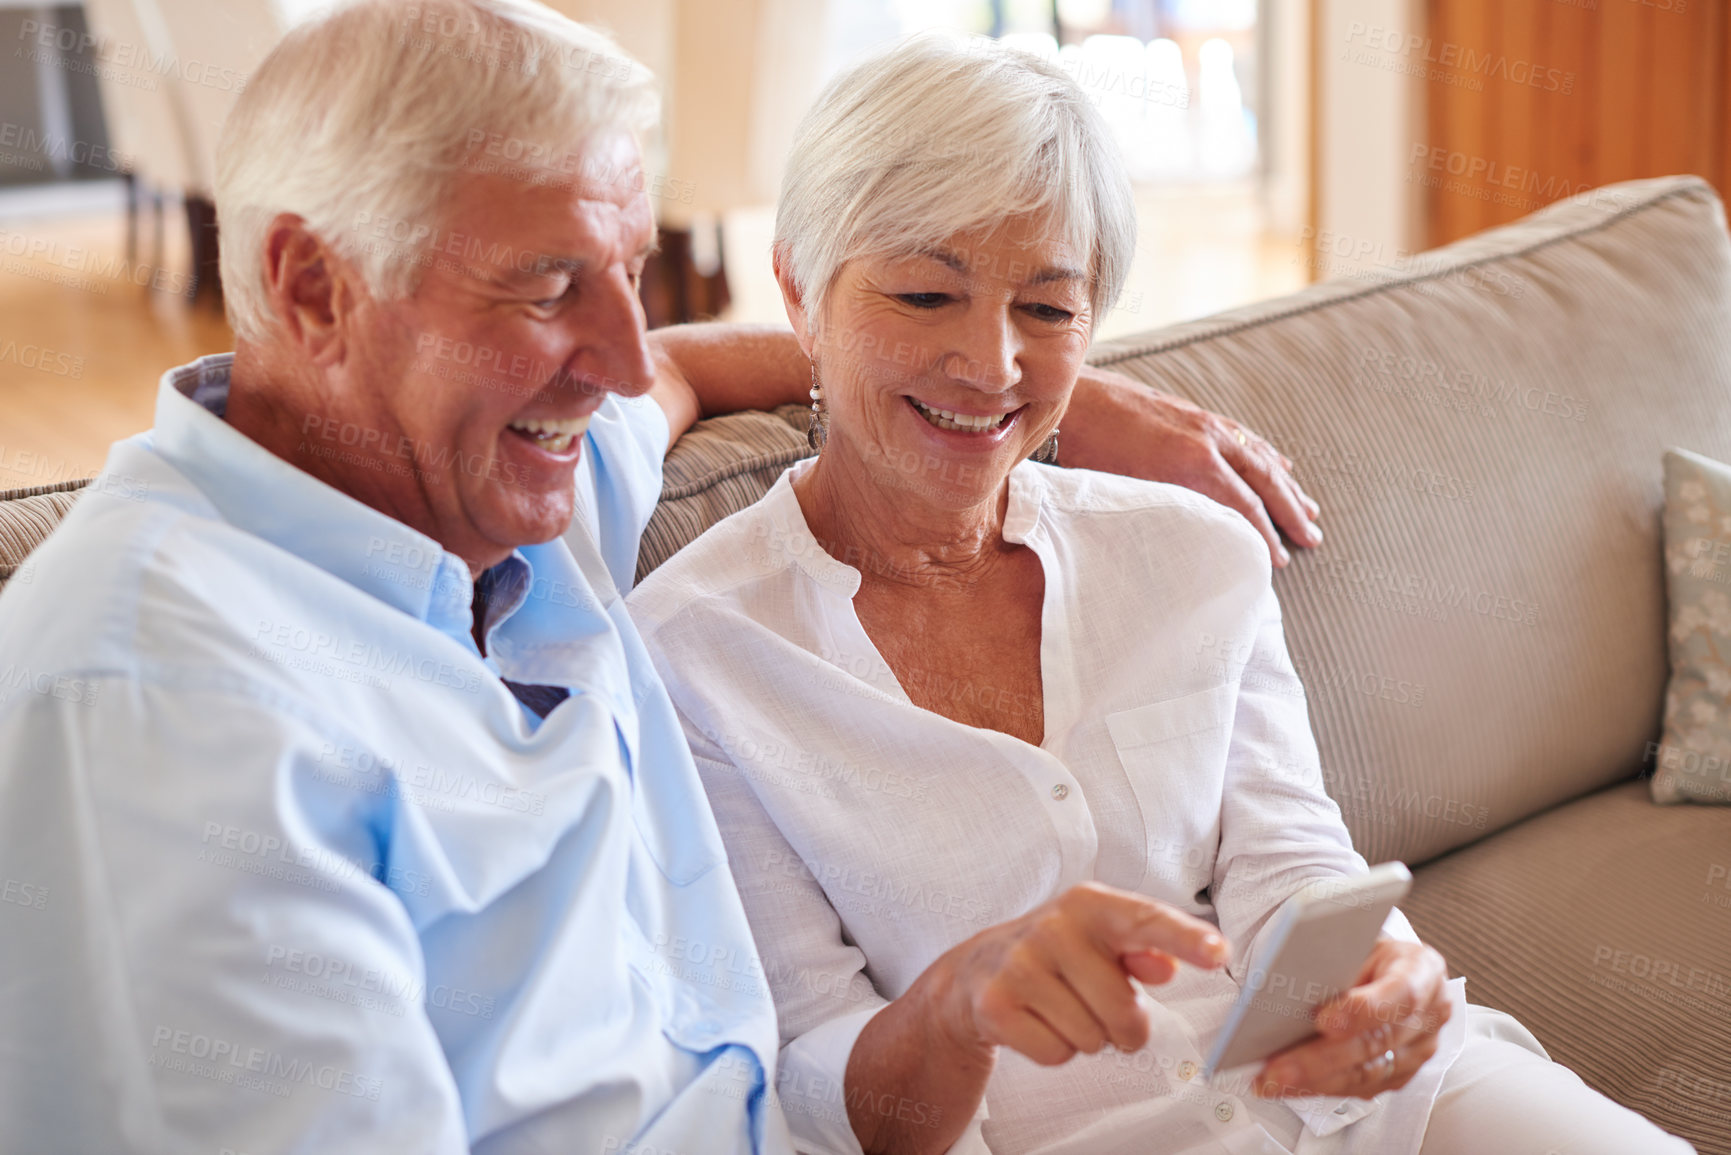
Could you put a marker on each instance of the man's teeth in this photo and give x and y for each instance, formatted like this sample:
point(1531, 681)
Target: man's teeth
point(944, 419)
point(553, 436)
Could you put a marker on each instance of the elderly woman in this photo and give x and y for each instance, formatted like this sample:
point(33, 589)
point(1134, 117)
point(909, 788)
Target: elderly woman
point(972, 782)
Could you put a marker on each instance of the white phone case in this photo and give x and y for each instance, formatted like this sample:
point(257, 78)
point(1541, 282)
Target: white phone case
point(1315, 950)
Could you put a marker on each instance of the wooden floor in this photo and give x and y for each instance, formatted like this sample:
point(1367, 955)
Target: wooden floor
point(83, 344)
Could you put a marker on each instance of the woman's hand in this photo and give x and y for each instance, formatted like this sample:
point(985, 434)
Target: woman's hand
point(1058, 980)
point(1049, 984)
point(1119, 425)
point(1376, 1036)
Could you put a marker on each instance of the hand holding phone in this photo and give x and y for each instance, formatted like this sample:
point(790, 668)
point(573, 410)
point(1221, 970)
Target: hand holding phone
point(1316, 949)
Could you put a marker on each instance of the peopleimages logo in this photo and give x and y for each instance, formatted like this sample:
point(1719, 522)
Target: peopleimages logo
point(45, 258)
point(282, 642)
point(1395, 370)
point(47, 40)
point(1457, 64)
point(57, 146)
point(67, 687)
point(383, 452)
point(226, 1061)
point(23, 894)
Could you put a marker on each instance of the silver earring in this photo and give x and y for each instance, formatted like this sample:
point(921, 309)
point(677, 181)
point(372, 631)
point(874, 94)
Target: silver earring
point(1047, 454)
point(818, 431)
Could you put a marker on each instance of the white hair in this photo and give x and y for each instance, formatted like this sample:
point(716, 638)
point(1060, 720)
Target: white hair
point(939, 136)
point(359, 122)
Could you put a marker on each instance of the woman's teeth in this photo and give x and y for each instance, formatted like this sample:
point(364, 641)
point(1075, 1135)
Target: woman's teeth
point(944, 419)
point(553, 436)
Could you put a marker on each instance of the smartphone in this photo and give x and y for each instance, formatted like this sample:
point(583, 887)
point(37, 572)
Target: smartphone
point(1315, 950)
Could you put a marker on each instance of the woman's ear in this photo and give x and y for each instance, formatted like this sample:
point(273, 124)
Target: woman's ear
point(803, 329)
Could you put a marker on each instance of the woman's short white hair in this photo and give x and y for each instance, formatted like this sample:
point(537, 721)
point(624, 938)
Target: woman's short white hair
point(941, 135)
point(359, 121)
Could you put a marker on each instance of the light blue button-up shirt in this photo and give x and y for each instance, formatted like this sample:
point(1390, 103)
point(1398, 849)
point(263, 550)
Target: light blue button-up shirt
point(287, 867)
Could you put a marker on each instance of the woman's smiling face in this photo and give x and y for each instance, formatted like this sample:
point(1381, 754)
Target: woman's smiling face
point(943, 369)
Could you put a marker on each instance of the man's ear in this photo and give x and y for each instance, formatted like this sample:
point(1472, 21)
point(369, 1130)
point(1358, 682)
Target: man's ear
point(311, 289)
point(804, 331)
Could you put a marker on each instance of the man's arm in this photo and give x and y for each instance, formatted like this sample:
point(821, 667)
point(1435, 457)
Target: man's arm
point(703, 370)
point(204, 971)
point(1114, 424)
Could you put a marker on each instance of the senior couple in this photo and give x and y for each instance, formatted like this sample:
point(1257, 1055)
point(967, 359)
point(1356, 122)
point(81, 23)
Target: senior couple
point(393, 827)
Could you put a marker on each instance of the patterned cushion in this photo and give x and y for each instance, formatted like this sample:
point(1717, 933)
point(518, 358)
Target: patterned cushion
point(1692, 762)
point(27, 516)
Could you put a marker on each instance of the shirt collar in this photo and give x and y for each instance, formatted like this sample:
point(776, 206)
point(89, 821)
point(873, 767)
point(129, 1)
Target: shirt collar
point(1027, 499)
point(261, 493)
point(795, 540)
point(794, 537)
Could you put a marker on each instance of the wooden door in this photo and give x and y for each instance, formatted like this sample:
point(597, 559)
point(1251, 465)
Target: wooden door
point(1530, 101)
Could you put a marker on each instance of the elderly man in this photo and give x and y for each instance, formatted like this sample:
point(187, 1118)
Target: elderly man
point(369, 826)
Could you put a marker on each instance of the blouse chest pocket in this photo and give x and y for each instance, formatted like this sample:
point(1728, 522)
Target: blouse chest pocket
point(1174, 754)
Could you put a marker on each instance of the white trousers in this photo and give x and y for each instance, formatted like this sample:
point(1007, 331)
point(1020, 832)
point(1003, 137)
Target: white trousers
point(1502, 1094)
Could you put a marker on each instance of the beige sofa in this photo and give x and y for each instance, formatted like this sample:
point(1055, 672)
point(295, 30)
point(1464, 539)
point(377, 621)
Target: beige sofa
point(1483, 632)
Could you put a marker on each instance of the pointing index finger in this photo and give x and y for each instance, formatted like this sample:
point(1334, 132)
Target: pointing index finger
point(1123, 924)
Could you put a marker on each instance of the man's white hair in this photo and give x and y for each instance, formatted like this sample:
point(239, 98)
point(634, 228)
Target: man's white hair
point(940, 135)
point(359, 122)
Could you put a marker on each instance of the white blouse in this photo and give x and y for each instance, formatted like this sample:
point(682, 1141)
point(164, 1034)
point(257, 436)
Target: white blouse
point(869, 835)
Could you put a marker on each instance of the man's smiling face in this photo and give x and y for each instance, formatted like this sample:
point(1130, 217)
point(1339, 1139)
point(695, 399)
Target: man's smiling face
point(525, 317)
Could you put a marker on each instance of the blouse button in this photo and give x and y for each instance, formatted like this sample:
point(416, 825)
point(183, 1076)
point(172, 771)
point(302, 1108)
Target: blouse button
point(1187, 1070)
point(1060, 792)
point(1223, 1112)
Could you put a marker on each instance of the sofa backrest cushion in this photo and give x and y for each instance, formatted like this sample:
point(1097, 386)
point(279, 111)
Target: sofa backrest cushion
point(721, 466)
point(1482, 632)
point(27, 517)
